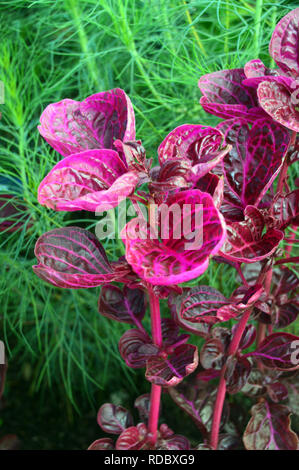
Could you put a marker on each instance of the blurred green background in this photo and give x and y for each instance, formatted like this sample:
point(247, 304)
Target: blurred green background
point(63, 357)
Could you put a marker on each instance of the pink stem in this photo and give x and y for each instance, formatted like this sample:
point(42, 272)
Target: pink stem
point(156, 389)
point(233, 348)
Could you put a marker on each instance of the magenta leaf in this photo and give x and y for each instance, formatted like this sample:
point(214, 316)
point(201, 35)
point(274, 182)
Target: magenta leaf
point(277, 350)
point(72, 126)
point(246, 241)
point(136, 347)
point(197, 399)
point(94, 180)
point(280, 103)
point(132, 438)
point(182, 253)
point(225, 96)
point(199, 304)
point(169, 370)
point(255, 159)
point(123, 305)
point(284, 43)
point(102, 444)
point(269, 428)
point(72, 257)
point(201, 146)
point(114, 419)
point(237, 372)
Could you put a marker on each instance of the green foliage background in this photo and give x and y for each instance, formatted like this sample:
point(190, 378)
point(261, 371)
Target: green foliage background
point(62, 355)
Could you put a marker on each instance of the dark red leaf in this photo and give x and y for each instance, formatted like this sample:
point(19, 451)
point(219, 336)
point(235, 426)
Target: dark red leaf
point(269, 428)
point(171, 370)
point(246, 241)
point(71, 257)
point(123, 305)
point(133, 438)
point(197, 399)
point(102, 444)
point(237, 373)
point(278, 351)
point(114, 419)
point(136, 347)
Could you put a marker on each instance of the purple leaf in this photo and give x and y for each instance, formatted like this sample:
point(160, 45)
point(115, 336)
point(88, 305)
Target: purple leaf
point(201, 146)
point(3, 368)
point(197, 399)
point(280, 103)
point(286, 313)
point(277, 391)
point(136, 347)
point(276, 351)
point(256, 72)
point(191, 229)
point(248, 336)
point(172, 174)
point(199, 304)
point(285, 209)
point(174, 442)
point(284, 43)
point(72, 257)
point(237, 373)
point(123, 305)
point(102, 444)
point(200, 329)
point(225, 96)
point(255, 385)
point(255, 159)
point(94, 180)
point(284, 281)
point(169, 370)
point(11, 211)
point(142, 404)
point(213, 185)
point(9, 442)
point(73, 126)
point(212, 354)
point(114, 419)
point(269, 428)
point(246, 241)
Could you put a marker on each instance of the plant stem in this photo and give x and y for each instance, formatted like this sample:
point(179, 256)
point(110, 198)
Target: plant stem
point(233, 348)
point(156, 389)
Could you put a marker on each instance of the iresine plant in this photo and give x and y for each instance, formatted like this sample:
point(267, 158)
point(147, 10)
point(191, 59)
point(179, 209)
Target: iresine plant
point(221, 192)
